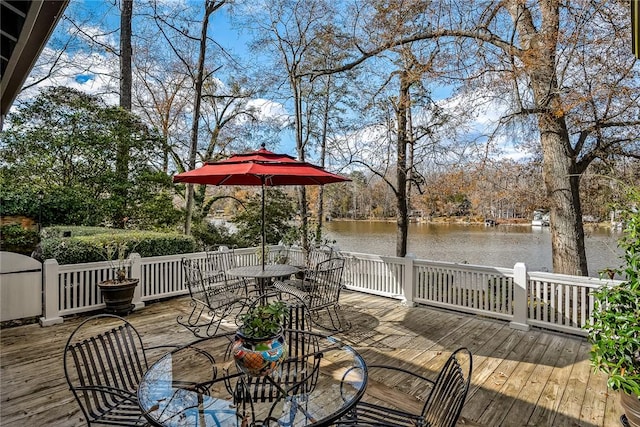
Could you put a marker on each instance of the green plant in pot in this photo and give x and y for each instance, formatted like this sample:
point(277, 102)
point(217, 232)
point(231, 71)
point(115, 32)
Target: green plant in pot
point(614, 330)
point(259, 344)
point(117, 292)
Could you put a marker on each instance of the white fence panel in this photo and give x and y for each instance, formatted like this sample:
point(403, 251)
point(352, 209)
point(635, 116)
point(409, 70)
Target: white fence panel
point(470, 288)
point(562, 302)
point(163, 276)
point(375, 274)
point(78, 286)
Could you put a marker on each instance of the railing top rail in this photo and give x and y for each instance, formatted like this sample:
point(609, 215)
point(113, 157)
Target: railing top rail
point(98, 265)
point(588, 282)
point(465, 267)
point(369, 256)
point(178, 257)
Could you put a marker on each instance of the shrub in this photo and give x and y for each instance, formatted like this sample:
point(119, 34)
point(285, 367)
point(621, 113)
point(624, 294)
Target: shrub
point(209, 235)
point(75, 231)
point(91, 247)
point(14, 238)
point(614, 330)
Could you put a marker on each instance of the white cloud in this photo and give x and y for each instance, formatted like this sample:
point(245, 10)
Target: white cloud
point(90, 73)
point(268, 110)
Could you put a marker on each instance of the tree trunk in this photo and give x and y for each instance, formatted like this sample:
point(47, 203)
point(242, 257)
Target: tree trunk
point(125, 54)
point(410, 154)
point(122, 155)
point(302, 192)
point(559, 164)
point(323, 154)
point(197, 100)
point(401, 167)
point(562, 184)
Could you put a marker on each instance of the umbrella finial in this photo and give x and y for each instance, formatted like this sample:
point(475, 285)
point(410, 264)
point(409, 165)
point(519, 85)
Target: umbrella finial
point(263, 146)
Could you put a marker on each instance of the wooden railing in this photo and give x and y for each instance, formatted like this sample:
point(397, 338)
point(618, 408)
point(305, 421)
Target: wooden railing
point(552, 301)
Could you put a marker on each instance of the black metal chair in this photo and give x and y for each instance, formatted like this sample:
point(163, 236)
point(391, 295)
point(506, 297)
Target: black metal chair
point(215, 270)
point(103, 370)
point(213, 296)
point(442, 407)
point(298, 373)
point(320, 290)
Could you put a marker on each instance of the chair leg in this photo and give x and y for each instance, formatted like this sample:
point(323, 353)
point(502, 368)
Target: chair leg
point(197, 321)
point(192, 320)
point(337, 318)
point(217, 316)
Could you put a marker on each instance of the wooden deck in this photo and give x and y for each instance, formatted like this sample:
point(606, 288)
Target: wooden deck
point(533, 378)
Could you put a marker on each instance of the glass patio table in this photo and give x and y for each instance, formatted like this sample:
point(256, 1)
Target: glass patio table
point(199, 384)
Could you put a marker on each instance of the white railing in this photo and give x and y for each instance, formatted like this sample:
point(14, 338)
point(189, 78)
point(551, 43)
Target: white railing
point(552, 301)
point(470, 288)
point(375, 274)
point(566, 302)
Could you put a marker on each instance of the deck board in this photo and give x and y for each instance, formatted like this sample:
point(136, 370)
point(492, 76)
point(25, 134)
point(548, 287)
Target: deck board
point(520, 378)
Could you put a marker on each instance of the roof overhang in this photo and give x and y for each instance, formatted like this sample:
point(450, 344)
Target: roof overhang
point(26, 27)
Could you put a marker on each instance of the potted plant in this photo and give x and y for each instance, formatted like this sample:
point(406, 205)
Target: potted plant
point(117, 292)
point(259, 344)
point(614, 329)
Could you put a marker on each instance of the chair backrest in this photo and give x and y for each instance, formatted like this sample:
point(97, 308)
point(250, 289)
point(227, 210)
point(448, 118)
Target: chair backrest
point(195, 281)
point(326, 283)
point(220, 261)
point(446, 399)
point(318, 254)
point(104, 361)
point(298, 373)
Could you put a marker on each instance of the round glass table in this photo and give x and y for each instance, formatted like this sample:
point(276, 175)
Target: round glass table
point(199, 385)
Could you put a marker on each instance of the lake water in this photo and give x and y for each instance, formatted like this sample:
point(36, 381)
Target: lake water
point(499, 246)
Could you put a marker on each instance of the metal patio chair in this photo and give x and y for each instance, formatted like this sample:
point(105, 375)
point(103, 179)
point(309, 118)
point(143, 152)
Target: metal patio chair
point(104, 362)
point(103, 370)
point(442, 407)
point(320, 290)
point(215, 270)
point(298, 374)
point(318, 254)
point(214, 297)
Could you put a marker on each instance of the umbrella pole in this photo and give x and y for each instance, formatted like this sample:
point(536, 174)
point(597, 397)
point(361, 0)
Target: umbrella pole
point(264, 233)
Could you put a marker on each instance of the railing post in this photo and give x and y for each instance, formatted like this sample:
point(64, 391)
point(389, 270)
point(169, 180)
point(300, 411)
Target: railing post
point(520, 298)
point(50, 294)
point(409, 284)
point(136, 273)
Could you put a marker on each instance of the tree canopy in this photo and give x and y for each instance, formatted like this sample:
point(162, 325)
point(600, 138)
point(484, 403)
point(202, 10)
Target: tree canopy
point(62, 147)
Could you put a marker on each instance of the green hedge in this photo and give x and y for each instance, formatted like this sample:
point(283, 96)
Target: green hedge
point(75, 231)
point(81, 248)
point(14, 238)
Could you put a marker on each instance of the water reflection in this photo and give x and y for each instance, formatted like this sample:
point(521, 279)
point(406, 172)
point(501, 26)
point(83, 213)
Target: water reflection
point(500, 246)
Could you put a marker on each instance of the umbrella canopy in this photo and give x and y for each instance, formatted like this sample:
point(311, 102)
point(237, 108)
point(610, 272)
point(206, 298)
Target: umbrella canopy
point(263, 168)
point(258, 168)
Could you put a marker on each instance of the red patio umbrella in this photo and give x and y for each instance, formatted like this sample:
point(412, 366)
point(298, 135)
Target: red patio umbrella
point(263, 168)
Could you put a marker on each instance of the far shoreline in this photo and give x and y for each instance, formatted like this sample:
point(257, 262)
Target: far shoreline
point(518, 222)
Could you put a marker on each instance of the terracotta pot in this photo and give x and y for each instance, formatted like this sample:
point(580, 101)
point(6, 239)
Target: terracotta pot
point(631, 405)
point(258, 357)
point(117, 295)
